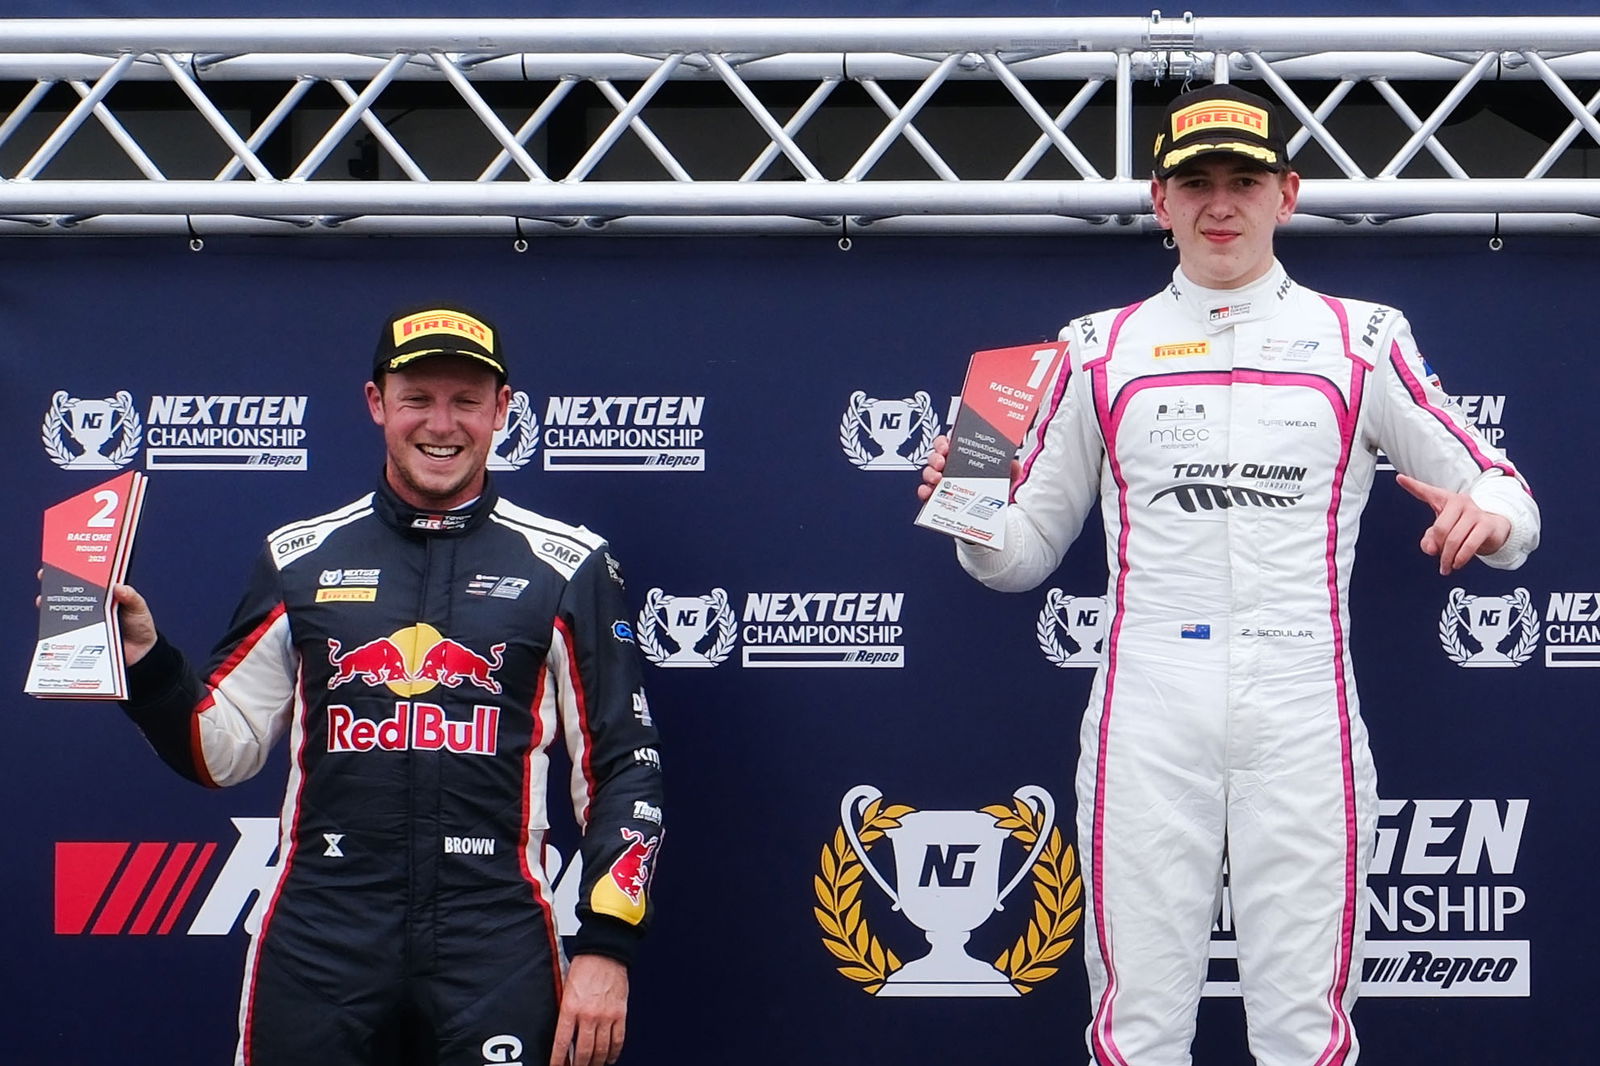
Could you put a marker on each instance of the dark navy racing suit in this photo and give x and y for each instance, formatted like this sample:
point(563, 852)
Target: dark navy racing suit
point(421, 665)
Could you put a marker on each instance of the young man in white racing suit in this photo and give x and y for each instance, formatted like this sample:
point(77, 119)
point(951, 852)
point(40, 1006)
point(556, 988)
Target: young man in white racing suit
point(1229, 426)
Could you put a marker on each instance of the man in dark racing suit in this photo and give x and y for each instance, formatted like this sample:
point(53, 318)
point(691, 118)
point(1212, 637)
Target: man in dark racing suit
point(422, 647)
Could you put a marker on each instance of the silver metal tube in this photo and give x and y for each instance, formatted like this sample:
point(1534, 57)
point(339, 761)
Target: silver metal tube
point(624, 117)
point(380, 133)
point(541, 114)
point(352, 114)
point(23, 109)
point(119, 133)
point(1414, 123)
point(887, 136)
point(645, 134)
point(268, 126)
point(796, 122)
point(1563, 93)
point(1041, 118)
point(214, 118)
point(1334, 98)
point(912, 135)
point(1042, 144)
point(491, 121)
point(69, 125)
point(1451, 101)
point(764, 118)
point(1301, 112)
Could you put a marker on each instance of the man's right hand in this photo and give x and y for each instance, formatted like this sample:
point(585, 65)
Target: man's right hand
point(933, 473)
point(138, 625)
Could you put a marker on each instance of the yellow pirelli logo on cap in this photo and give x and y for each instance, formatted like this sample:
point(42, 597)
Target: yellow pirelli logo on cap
point(1183, 351)
point(441, 322)
point(1224, 115)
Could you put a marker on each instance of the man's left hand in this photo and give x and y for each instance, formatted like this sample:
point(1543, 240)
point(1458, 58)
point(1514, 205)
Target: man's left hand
point(594, 1012)
point(1461, 529)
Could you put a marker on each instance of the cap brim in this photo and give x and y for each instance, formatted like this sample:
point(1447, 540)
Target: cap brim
point(1256, 153)
point(404, 359)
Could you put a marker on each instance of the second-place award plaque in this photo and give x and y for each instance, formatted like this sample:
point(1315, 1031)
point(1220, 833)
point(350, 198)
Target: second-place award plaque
point(1003, 390)
point(87, 542)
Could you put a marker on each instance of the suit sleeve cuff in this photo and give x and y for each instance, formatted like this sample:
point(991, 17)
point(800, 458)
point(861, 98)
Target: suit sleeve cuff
point(153, 677)
point(602, 935)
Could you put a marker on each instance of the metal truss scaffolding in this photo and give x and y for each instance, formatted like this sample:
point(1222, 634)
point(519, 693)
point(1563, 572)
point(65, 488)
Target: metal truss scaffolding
point(938, 125)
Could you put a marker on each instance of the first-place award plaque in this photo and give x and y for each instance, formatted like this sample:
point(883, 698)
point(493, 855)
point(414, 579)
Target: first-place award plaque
point(1003, 390)
point(87, 542)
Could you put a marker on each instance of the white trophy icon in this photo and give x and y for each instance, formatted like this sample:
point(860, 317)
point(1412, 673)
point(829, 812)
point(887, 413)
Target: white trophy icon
point(889, 425)
point(687, 620)
point(947, 866)
point(91, 424)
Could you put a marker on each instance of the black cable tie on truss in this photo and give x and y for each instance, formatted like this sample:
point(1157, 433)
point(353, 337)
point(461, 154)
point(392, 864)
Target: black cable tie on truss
point(521, 243)
point(845, 244)
point(1495, 243)
point(196, 242)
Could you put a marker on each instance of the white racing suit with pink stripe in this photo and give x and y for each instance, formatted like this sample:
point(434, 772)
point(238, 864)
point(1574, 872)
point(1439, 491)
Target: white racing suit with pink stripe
point(1231, 438)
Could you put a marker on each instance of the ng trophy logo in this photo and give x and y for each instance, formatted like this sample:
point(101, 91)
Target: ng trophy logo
point(90, 425)
point(516, 441)
point(948, 883)
point(1071, 629)
point(875, 433)
point(688, 631)
point(1492, 631)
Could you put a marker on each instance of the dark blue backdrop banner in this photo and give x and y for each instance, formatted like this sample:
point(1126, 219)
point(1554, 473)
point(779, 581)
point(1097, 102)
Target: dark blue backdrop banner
point(776, 530)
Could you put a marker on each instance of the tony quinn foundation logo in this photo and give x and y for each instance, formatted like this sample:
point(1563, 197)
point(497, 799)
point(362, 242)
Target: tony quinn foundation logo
point(516, 441)
point(888, 434)
point(1071, 629)
point(1443, 904)
point(948, 883)
point(637, 434)
point(1503, 631)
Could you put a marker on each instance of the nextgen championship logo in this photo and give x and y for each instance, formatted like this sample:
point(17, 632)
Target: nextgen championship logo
point(1504, 630)
point(1441, 907)
point(840, 630)
point(649, 434)
point(225, 432)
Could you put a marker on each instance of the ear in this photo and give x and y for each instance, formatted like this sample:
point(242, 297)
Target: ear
point(502, 403)
point(1158, 201)
point(375, 402)
point(1290, 189)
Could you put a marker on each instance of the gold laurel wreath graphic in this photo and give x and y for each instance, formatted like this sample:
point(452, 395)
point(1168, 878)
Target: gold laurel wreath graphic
point(1056, 909)
point(838, 887)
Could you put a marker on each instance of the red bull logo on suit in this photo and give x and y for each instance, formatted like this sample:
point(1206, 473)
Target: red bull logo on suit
point(413, 660)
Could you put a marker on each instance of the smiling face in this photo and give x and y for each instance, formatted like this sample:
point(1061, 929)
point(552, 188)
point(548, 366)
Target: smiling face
point(439, 416)
point(1222, 210)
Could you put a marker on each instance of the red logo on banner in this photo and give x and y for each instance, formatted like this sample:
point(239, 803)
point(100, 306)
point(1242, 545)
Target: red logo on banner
point(112, 888)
